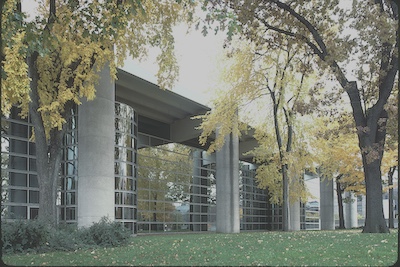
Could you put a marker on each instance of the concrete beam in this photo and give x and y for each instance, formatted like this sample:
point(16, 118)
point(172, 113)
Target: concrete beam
point(184, 129)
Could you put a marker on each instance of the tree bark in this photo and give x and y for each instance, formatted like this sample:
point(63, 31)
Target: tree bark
point(390, 178)
point(339, 192)
point(48, 151)
point(374, 218)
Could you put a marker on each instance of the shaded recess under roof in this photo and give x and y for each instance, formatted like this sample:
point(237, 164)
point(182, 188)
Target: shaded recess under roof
point(165, 114)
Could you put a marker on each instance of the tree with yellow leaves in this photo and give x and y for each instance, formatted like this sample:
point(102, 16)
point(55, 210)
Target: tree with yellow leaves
point(51, 63)
point(356, 41)
point(277, 83)
point(338, 156)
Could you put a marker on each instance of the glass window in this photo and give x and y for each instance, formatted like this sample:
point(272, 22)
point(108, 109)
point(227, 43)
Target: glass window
point(33, 213)
point(129, 184)
point(18, 212)
point(33, 196)
point(33, 181)
point(32, 164)
point(19, 130)
point(118, 198)
point(70, 198)
point(118, 213)
point(128, 213)
point(71, 170)
point(18, 146)
point(18, 179)
point(70, 213)
point(18, 196)
point(70, 183)
point(18, 163)
point(128, 199)
point(32, 148)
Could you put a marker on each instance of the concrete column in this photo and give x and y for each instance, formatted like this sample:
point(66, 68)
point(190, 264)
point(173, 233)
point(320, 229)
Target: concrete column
point(326, 204)
point(294, 216)
point(350, 211)
point(96, 134)
point(227, 175)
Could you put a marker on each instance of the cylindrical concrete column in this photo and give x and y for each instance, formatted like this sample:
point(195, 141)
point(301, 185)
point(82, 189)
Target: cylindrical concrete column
point(96, 134)
point(227, 176)
point(294, 216)
point(350, 210)
point(326, 204)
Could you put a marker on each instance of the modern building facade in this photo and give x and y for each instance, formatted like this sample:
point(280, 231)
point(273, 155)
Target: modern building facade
point(132, 154)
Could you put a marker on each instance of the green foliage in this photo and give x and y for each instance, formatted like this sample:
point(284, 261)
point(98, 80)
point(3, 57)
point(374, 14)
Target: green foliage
point(38, 236)
point(106, 233)
point(22, 235)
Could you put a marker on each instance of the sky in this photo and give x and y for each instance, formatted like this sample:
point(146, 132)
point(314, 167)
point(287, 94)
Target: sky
point(197, 56)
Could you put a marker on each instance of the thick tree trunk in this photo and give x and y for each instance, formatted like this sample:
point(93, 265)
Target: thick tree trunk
point(340, 203)
point(48, 151)
point(374, 218)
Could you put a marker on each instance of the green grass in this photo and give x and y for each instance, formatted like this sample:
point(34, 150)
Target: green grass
point(318, 248)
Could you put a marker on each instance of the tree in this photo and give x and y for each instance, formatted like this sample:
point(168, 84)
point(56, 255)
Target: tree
point(50, 63)
point(337, 35)
point(338, 157)
point(277, 80)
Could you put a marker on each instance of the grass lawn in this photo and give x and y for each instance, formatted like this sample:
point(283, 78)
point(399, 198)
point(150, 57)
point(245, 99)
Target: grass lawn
point(318, 248)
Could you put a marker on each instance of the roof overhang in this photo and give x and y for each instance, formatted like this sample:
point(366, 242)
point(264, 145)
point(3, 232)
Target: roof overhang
point(165, 114)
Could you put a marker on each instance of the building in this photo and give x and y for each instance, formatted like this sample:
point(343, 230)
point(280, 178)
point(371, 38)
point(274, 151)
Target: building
point(132, 154)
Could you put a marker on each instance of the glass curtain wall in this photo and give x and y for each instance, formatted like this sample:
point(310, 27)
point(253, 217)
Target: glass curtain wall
point(68, 186)
point(20, 189)
point(125, 168)
point(177, 191)
point(170, 196)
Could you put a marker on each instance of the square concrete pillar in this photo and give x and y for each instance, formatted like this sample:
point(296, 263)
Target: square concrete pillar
point(227, 179)
point(326, 204)
point(96, 139)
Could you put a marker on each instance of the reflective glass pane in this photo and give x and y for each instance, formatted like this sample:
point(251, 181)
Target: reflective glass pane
point(18, 196)
point(18, 212)
point(18, 163)
point(128, 213)
point(19, 130)
point(128, 200)
point(32, 164)
point(118, 198)
point(18, 179)
point(18, 146)
point(33, 181)
point(33, 196)
point(118, 213)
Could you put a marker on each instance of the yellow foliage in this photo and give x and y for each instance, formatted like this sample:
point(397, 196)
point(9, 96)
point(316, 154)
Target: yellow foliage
point(82, 39)
point(15, 88)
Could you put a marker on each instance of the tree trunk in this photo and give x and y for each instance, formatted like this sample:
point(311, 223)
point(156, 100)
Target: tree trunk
point(374, 218)
point(340, 203)
point(285, 202)
point(48, 151)
point(390, 178)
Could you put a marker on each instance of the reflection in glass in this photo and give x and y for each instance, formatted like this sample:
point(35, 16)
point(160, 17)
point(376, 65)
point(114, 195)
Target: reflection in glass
point(124, 165)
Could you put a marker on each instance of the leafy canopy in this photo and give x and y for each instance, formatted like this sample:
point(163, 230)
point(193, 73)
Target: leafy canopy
point(73, 40)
